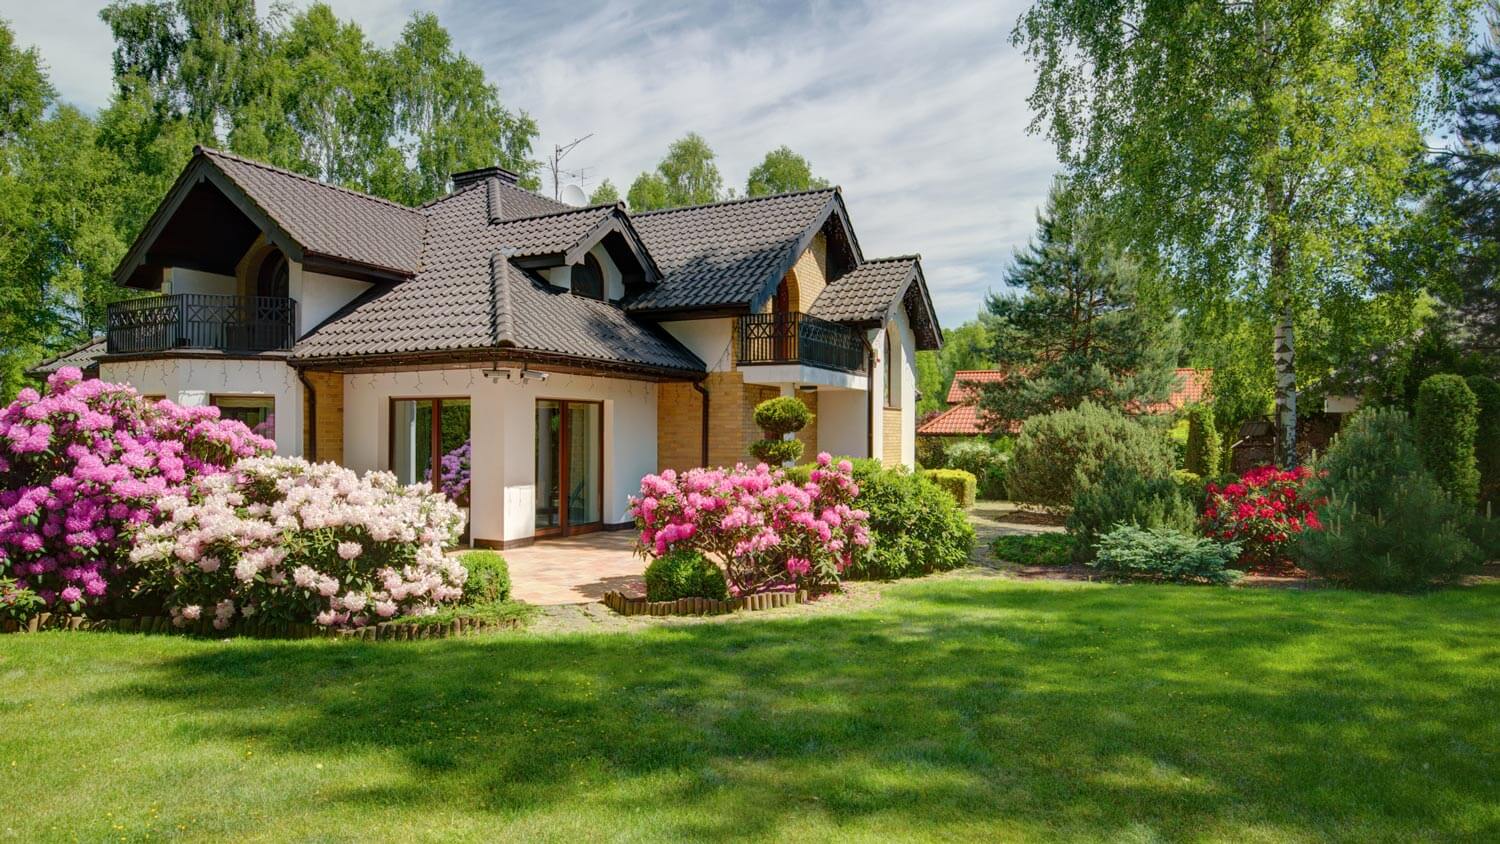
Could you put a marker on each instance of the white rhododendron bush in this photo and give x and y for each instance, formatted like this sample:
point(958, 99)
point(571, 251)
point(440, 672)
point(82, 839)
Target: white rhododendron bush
point(280, 539)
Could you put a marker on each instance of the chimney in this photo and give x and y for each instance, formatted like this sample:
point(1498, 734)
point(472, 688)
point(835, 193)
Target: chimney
point(469, 177)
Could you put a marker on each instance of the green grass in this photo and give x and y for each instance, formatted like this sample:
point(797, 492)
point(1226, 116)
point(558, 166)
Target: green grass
point(956, 708)
point(1034, 549)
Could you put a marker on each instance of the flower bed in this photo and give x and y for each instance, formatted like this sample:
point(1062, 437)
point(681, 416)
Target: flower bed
point(286, 541)
point(765, 531)
point(1263, 512)
point(82, 465)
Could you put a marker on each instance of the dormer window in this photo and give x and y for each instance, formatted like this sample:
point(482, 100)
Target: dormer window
point(588, 278)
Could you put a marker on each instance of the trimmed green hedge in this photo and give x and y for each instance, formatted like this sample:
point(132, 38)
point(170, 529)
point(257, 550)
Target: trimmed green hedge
point(956, 482)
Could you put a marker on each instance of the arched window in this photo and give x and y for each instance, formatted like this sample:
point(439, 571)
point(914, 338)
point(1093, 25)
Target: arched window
point(588, 278)
point(272, 279)
point(892, 366)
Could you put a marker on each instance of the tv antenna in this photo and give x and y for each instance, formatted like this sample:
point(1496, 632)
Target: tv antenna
point(559, 152)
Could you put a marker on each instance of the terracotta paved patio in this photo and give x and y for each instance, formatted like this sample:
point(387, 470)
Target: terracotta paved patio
point(575, 570)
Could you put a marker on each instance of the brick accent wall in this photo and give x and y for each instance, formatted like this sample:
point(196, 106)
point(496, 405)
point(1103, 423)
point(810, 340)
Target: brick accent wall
point(810, 274)
point(890, 437)
point(329, 434)
point(731, 423)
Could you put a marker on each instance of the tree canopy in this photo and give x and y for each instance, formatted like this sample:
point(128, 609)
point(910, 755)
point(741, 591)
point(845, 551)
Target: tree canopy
point(782, 171)
point(1077, 331)
point(1258, 151)
point(687, 175)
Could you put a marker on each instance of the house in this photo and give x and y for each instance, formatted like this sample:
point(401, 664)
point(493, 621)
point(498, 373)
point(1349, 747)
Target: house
point(531, 359)
point(963, 418)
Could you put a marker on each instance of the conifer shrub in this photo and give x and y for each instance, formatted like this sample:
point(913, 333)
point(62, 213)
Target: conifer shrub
point(1447, 421)
point(1123, 496)
point(1165, 555)
point(1060, 453)
point(1487, 440)
point(1388, 522)
point(1204, 448)
point(776, 418)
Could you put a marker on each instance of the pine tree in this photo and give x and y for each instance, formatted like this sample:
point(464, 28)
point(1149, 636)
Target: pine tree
point(1076, 331)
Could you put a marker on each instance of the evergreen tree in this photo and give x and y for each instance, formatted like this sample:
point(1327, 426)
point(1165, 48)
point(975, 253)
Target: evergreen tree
point(1076, 331)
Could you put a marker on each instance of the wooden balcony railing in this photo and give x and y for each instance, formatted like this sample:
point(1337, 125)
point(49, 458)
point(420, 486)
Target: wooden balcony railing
point(201, 321)
point(800, 338)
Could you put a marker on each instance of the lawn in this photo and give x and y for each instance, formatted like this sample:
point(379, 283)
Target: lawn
point(976, 708)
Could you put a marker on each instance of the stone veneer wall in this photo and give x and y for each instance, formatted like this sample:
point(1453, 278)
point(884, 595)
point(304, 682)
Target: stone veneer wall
point(890, 437)
point(329, 435)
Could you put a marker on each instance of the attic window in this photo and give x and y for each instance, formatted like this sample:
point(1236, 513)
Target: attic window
point(588, 278)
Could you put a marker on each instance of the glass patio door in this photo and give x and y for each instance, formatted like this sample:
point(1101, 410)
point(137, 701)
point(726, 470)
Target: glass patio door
point(430, 444)
point(569, 467)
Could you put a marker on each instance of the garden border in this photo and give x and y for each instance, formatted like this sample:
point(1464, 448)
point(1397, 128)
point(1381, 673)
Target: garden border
point(626, 605)
point(383, 632)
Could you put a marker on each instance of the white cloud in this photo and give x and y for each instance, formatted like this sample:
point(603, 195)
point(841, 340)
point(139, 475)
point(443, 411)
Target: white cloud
point(918, 111)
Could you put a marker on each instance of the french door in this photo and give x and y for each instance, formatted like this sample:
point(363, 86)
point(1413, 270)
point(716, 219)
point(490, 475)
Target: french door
point(430, 444)
point(569, 467)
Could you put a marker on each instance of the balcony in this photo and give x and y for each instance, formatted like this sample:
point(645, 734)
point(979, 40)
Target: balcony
point(796, 338)
point(201, 321)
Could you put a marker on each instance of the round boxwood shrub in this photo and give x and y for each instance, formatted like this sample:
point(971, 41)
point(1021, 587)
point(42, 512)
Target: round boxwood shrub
point(489, 577)
point(1059, 453)
point(684, 573)
point(1447, 420)
point(1386, 523)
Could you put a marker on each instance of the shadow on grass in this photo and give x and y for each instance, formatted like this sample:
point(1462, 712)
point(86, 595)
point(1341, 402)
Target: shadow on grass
point(978, 708)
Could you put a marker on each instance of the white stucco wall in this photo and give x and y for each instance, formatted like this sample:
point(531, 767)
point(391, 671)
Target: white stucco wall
point(503, 431)
point(184, 280)
point(709, 339)
point(843, 422)
point(319, 296)
point(193, 381)
point(906, 382)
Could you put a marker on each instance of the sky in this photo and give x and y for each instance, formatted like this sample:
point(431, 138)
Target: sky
point(918, 111)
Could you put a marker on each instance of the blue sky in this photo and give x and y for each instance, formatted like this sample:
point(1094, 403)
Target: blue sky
point(917, 111)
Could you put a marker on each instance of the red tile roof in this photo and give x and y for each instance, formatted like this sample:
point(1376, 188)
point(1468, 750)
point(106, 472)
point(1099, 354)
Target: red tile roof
point(964, 419)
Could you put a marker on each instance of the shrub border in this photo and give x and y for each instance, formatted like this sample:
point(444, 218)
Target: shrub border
point(627, 605)
point(386, 631)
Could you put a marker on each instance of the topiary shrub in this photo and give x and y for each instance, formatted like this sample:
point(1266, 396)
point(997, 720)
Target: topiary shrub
point(776, 418)
point(986, 461)
point(1204, 448)
point(956, 482)
point(1487, 442)
point(1124, 497)
point(1447, 420)
point(489, 577)
point(918, 528)
point(1165, 554)
point(1057, 454)
point(1387, 522)
point(684, 573)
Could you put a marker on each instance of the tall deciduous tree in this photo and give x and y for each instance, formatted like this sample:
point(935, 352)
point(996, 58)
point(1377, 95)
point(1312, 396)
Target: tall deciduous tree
point(1077, 331)
point(782, 171)
point(1260, 149)
point(686, 176)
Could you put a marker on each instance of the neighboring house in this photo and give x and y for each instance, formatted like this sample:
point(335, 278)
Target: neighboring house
point(963, 418)
point(530, 358)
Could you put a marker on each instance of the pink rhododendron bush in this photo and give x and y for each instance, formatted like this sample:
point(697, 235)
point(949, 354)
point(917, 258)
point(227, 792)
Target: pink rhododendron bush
point(281, 539)
point(85, 463)
point(765, 531)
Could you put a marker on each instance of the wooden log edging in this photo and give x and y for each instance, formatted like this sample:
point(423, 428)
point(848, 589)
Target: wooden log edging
point(385, 631)
point(629, 605)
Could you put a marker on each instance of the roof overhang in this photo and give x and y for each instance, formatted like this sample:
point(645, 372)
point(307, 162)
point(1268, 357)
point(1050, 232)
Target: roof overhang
point(471, 358)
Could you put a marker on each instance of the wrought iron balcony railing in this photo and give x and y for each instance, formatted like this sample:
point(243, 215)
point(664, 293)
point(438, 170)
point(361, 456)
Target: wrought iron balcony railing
point(201, 321)
point(800, 338)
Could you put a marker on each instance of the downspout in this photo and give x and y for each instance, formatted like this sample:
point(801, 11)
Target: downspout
point(312, 416)
point(703, 391)
point(870, 389)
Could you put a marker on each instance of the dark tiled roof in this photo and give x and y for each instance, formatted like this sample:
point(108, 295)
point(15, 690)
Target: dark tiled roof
point(725, 253)
point(865, 293)
point(85, 356)
point(512, 201)
point(465, 299)
point(329, 220)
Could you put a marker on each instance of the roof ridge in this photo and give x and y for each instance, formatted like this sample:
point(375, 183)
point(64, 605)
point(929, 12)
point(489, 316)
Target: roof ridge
point(578, 210)
point(211, 151)
point(502, 319)
point(914, 256)
point(739, 201)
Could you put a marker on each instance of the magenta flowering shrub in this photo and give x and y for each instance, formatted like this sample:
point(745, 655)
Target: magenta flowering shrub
point(82, 465)
point(453, 472)
point(282, 539)
point(765, 531)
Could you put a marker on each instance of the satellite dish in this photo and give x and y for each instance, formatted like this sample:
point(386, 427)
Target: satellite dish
point(574, 195)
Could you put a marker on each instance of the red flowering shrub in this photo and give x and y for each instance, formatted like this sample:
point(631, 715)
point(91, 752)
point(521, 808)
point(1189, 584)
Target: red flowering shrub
point(1264, 512)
